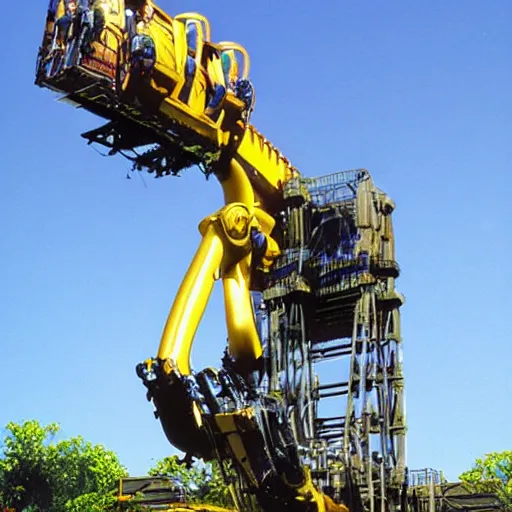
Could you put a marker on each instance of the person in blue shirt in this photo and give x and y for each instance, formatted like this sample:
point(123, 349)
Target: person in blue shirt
point(63, 23)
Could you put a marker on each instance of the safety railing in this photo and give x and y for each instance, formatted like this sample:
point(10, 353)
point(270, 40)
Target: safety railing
point(427, 476)
point(331, 189)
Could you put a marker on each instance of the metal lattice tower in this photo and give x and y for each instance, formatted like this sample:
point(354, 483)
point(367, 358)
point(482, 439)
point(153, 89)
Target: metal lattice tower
point(331, 324)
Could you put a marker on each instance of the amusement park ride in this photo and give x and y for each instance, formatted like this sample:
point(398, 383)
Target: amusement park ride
point(318, 252)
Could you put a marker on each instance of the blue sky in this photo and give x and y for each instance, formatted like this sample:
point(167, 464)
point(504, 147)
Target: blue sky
point(416, 92)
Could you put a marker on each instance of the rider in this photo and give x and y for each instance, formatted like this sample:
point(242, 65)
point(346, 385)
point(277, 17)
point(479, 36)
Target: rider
point(96, 10)
point(63, 24)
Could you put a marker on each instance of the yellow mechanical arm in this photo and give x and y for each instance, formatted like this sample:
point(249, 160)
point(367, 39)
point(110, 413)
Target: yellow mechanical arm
point(162, 82)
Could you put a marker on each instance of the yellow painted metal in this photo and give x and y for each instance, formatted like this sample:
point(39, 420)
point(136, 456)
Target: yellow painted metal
point(257, 155)
point(244, 341)
point(182, 507)
point(231, 48)
point(243, 336)
point(225, 250)
point(199, 122)
point(169, 507)
point(157, 24)
point(190, 301)
point(227, 425)
point(180, 46)
point(200, 19)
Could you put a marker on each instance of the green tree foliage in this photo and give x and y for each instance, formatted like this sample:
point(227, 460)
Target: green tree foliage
point(204, 483)
point(217, 491)
point(492, 473)
point(93, 502)
point(39, 474)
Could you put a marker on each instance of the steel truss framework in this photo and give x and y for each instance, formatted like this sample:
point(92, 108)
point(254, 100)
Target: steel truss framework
point(330, 321)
